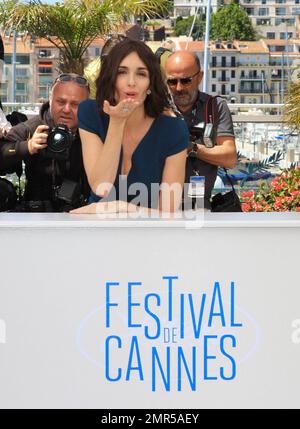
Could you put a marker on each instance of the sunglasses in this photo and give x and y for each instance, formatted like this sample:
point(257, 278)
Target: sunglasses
point(65, 77)
point(183, 80)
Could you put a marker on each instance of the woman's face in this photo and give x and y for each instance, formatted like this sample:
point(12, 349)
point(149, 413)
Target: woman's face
point(133, 79)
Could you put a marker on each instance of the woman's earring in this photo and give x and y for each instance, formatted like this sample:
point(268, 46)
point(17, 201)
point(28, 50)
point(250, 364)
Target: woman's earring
point(148, 92)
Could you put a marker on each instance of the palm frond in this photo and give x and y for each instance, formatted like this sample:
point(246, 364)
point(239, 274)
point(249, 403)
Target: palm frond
point(73, 25)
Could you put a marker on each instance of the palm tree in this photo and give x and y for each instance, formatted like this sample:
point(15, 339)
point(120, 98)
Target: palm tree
point(292, 104)
point(73, 25)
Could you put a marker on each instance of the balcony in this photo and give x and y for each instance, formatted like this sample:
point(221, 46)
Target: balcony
point(226, 66)
point(253, 78)
point(250, 91)
point(223, 79)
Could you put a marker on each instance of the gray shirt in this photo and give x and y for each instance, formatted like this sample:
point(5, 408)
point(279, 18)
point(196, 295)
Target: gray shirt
point(223, 126)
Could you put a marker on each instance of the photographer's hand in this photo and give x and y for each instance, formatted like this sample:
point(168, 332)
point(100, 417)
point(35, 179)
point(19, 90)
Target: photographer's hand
point(39, 140)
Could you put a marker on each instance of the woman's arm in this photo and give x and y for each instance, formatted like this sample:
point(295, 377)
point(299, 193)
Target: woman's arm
point(172, 182)
point(170, 196)
point(100, 159)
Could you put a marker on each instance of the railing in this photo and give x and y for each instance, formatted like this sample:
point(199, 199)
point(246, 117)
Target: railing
point(262, 130)
point(250, 91)
point(256, 78)
point(29, 109)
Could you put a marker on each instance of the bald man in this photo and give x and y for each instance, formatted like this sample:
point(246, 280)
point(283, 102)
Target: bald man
point(184, 75)
point(27, 141)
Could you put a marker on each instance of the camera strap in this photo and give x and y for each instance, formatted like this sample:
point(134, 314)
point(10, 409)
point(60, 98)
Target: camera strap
point(209, 117)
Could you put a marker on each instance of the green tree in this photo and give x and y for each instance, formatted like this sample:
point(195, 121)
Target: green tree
point(183, 27)
point(73, 25)
point(231, 22)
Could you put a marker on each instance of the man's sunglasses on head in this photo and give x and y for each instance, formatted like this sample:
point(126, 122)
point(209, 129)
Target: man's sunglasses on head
point(66, 77)
point(183, 80)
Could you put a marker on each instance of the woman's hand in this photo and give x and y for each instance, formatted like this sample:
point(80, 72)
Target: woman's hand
point(106, 207)
point(122, 110)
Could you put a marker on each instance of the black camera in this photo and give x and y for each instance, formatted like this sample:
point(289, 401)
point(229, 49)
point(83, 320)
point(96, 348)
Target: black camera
point(8, 195)
point(65, 197)
point(202, 133)
point(59, 141)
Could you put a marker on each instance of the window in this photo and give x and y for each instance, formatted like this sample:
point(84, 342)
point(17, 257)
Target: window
point(45, 67)
point(223, 90)
point(20, 87)
point(214, 61)
point(265, 21)
point(21, 72)
point(45, 70)
point(233, 73)
point(213, 88)
point(270, 35)
point(21, 99)
point(97, 52)
point(233, 64)
point(44, 53)
point(285, 36)
point(232, 88)
point(43, 93)
point(23, 59)
point(7, 59)
point(45, 80)
point(263, 11)
point(223, 61)
point(290, 21)
point(214, 74)
point(249, 10)
point(280, 11)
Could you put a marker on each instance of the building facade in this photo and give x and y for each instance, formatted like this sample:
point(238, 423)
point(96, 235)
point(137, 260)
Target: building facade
point(242, 72)
point(250, 72)
point(274, 19)
point(187, 8)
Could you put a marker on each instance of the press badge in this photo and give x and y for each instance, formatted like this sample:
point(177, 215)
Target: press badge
point(196, 187)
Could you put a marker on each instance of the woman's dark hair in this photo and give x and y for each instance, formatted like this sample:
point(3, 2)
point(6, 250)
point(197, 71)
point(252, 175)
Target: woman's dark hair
point(157, 101)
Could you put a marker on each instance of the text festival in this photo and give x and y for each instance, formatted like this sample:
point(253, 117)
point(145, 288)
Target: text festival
point(170, 340)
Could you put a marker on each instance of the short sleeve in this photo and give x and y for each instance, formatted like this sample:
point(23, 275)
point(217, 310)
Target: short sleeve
point(88, 116)
point(224, 125)
point(178, 139)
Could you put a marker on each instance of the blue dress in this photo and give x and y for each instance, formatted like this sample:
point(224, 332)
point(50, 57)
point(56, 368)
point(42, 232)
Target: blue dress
point(166, 136)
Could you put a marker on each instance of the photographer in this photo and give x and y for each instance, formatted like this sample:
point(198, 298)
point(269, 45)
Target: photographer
point(55, 179)
point(184, 76)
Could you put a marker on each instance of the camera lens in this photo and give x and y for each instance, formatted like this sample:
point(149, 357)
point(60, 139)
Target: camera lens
point(57, 142)
point(59, 139)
